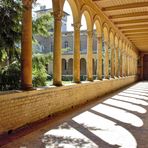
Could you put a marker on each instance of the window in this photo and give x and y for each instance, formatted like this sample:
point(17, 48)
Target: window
point(51, 46)
point(66, 44)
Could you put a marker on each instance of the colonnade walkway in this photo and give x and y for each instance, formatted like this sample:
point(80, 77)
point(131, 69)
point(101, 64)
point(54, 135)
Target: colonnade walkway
point(117, 120)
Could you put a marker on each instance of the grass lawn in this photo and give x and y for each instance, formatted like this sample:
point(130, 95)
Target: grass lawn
point(51, 82)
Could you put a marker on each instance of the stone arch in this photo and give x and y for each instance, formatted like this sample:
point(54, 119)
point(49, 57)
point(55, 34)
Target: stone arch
point(116, 41)
point(64, 67)
point(75, 11)
point(105, 32)
point(83, 66)
point(70, 66)
point(88, 17)
point(120, 44)
point(111, 52)
point(105, 55)
point(98, 23)
point(94, 66)
point(111, 38)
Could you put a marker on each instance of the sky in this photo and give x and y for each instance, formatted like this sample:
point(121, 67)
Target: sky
point(67, 9)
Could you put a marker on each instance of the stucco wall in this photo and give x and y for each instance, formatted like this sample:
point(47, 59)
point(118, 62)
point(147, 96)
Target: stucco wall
point(20, 108)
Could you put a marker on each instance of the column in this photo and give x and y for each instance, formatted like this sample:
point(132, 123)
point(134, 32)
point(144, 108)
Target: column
point(57, 64)
point(106, 75)
point(76, 61)
point(26, 53)
point(89, 56)
point(99, 61)
point(121, 63)
point(116, 62)
point(126, 65)
point(112, 61)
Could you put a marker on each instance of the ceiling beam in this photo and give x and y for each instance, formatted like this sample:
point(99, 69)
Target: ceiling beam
point(137, 37)
point(128, 15)
point(132, 21)
point(135, 41)
point(125, 6)
point(134, 26)
point(136, 30)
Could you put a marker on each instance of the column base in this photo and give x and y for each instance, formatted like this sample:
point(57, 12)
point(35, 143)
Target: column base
point(106, 77)
point(77, 81)
point(27, 87)
point(90, 79)
point(57, 83)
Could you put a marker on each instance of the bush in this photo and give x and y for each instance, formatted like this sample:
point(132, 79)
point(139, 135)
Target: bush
point(83, 78)
point(10, 77)
point(39, 75)
point(67, 77)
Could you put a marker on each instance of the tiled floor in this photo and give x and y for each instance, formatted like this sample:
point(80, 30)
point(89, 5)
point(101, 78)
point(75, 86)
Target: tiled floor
point(118, 120)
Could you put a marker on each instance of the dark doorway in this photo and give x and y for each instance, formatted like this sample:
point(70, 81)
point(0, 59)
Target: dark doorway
point(145, 67)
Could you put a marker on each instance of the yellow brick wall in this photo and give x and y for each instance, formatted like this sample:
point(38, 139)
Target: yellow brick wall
point(20, 108)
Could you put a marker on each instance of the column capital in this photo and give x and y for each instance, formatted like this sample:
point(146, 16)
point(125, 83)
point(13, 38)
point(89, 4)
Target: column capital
point(77, 26)
point(90, 34)
point(27, 3)
point(112, 46)
point(106, 43)
point(58, 15)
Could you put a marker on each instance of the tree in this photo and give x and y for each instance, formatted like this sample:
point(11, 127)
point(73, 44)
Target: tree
point(10, 28)
point(10, 37)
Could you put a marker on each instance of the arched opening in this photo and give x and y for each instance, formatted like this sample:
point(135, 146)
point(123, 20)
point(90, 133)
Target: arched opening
point(116, 56)
point(83, 36)
point(64, 67)
point(94, 68)
point(83, 69)
point(43, 43)
point(86, 22)
point(111, 55)
point(119, 57)
point(105, 53)
point(70, 66)
point(98, 46)
point(67, 37)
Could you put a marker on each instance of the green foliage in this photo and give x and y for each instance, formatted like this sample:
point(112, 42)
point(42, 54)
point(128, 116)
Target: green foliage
point(39, 70)
point(67, 77)
point(11, 25)
point(10, 30)
point(39, 75)
point(42, 25)
point(10, 77)
point(66, 49)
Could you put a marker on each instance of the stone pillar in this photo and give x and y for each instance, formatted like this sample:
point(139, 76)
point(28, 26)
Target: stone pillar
point(106, 72)
point(57, 64)
point(26, 53)
point(89, 56)
point(121, 63)
point(117, 62)
point(112, 62)
point(126, 64)
point(76, 61)
point(99, 61)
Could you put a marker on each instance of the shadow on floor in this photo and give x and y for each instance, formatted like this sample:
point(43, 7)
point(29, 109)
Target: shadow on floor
point(119, 120)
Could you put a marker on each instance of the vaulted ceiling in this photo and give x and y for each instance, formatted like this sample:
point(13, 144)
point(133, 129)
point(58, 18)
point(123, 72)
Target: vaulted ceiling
point(131, 18)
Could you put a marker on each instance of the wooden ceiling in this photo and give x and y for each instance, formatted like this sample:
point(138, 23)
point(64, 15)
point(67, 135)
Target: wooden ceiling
point(131, 17)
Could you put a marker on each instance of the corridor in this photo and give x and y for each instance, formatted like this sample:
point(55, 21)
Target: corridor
point(116, 120)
